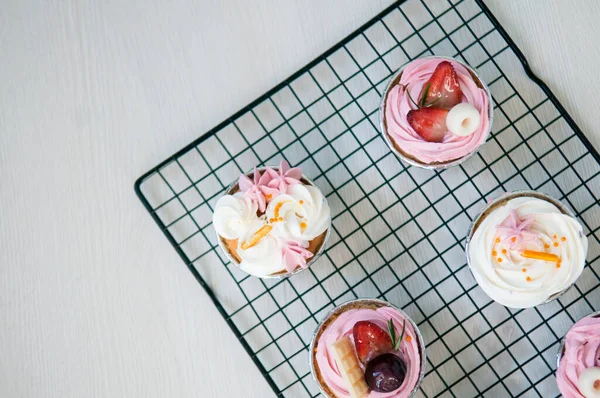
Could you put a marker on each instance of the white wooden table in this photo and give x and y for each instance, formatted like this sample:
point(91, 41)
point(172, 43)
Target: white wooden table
point(93, 300)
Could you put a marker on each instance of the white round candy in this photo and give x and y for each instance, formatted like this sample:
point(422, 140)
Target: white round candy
point(589, 382)
point(463, 119)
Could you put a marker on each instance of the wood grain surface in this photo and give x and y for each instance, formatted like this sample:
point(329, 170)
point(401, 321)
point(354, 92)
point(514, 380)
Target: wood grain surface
point(93, 300)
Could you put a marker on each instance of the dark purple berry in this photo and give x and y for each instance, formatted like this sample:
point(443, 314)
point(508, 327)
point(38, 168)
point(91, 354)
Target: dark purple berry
point(385, 373)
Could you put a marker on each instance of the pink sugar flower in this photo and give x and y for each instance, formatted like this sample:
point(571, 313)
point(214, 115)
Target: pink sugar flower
point(284, 177)
point(258, 190)
point(295, 254)
point(514, 230)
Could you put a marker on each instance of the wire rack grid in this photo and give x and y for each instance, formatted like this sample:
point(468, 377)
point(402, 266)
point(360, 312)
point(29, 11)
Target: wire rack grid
point(398, 232)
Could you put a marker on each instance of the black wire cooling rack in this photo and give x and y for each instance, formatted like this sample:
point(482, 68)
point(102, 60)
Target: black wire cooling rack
point(398, 232)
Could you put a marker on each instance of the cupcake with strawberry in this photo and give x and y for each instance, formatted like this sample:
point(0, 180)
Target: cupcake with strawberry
point(367, 348)
point(436, 112)
point(273, 222)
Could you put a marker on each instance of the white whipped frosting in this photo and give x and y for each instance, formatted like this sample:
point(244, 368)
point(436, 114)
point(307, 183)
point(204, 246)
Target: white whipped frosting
point(264, 258)
point(235, 215)
point(519, 282)
point(304, 215)
point(304, 211)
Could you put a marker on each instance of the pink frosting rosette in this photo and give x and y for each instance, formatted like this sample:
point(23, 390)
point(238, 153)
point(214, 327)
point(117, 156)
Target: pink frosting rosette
point(397, 105)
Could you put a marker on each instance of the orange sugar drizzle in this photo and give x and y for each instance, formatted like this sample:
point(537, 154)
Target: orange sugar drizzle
point(278, 208)
point(540, 256)
point(258, 235)
point(557, 265)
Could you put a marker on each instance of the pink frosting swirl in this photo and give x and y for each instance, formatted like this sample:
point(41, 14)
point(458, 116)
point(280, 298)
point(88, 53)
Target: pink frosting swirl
point(582, 350)
point(343, 325)
point(415, 75)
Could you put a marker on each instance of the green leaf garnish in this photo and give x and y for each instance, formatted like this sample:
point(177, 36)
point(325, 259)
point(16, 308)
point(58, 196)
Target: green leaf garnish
point(392, 331)
point(410, 96)
point(401, 336)
point(433, 102)
point(425, 95)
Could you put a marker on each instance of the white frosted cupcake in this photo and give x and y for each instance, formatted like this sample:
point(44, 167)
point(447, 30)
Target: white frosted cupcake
point(525, 249)
point(273, 222)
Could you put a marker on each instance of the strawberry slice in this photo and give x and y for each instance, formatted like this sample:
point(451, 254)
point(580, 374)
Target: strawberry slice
point(370, 340)
point(443, 89)
point(429, 123)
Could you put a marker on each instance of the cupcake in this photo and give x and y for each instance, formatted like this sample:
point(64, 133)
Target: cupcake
point(436, 112)
point(367, 348)
point(273, 222)
point(578, 367)
point(526, 249)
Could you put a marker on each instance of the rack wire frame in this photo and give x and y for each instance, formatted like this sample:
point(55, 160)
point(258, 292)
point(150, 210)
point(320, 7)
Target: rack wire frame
point(398, 232)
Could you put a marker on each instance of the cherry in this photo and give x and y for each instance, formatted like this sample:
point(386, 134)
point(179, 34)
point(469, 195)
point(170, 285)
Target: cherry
point(385, 373)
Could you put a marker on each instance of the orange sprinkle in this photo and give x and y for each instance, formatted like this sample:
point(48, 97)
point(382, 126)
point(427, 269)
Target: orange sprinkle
point(303, 225)
point(269, 196)
point(499, 259)
point(497, 240)
point(524, 270)
point(563, 238)
point(408, 338)
point(540, 256)
point(503, 251)
point(554, 236)
point(528, 279)
point(557, 265)
point(513, 239)
point(555, 244)
point(547, 246)
point(494, 253)
point(301, 201)
point(261, 233)
point(280, 218)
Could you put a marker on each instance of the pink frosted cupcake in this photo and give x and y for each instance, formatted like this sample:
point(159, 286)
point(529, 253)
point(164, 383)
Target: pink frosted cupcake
point(578, 368)
point(436, 112)
point(367, 348)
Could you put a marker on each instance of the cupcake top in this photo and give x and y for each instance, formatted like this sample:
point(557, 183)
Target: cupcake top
point(580, 356)
point(273, 222)
point(419, 115)
point(524, 250)
point(382, 340)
